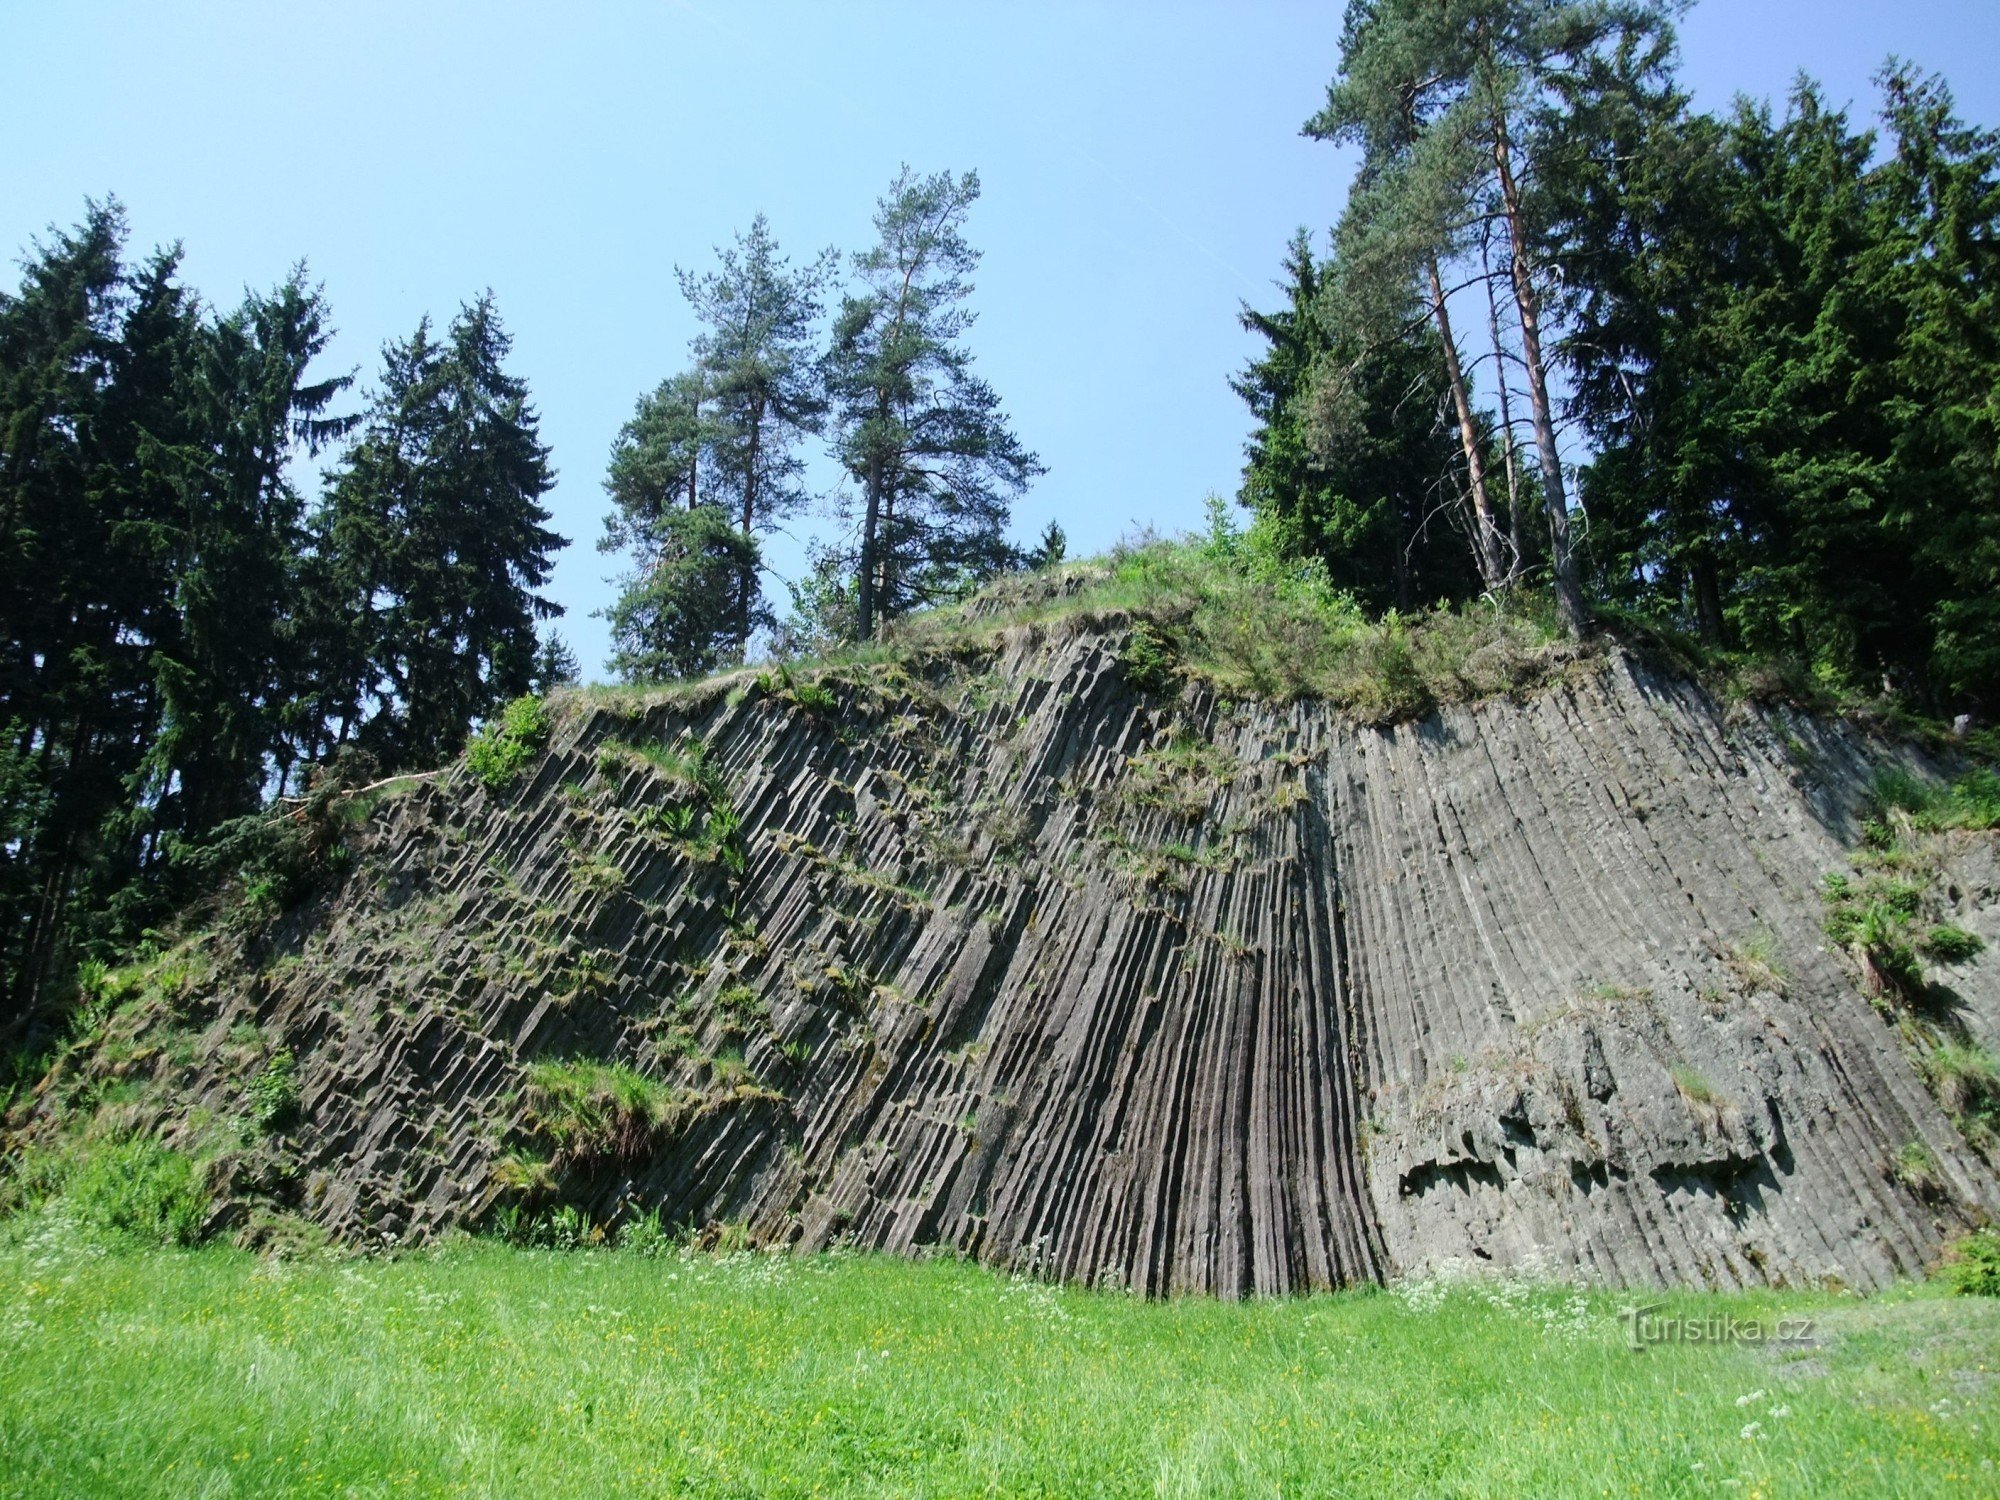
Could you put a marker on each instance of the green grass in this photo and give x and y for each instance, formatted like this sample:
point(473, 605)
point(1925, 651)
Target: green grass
point(1219, 607)
point(591, 1111)
point(501, 750)
point(1971, 802)
point(490, 1371)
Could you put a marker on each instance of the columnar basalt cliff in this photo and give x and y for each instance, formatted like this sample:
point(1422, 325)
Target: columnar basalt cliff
point(997, 952)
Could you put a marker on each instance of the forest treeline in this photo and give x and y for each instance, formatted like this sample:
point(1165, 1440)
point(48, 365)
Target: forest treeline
point(231, 580)
point(1738, 374)
point(184, 632)
point(1731, 375)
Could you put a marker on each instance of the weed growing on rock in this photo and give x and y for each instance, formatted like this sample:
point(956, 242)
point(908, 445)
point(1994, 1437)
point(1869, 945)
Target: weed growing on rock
point(502, 748)
point(593, 1111)
point(1692, 1086)
point(1972, 1266)
point(1754, 963)
point(526, 1174)
point(1966, 1080)
point(1916, 1168)
point(274, 1093)
point(1947, 944)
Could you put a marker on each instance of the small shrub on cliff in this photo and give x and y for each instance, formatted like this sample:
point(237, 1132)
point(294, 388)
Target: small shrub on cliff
point(274, 1093)
point(1952, 945)
point(272, 861)
point(1871, 917)
point(592, 1111)
point(524, 1174)
point(1966, 1081)
point(1148, 659)
point(1972, 1266)
point(504, 746)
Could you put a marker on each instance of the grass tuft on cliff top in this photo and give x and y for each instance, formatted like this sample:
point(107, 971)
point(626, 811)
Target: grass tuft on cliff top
point(1223, 610)
point(491, 1371)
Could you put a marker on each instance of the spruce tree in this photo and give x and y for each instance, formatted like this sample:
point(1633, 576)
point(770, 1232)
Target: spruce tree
point(73, 682)
point(1352, 449)
point(441, 540)
point(224, 666)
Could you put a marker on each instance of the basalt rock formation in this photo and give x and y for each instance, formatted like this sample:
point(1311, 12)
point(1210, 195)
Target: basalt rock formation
point(997, 952)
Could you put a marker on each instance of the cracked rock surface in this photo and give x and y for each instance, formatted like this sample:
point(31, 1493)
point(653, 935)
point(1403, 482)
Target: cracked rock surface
point(996, 953)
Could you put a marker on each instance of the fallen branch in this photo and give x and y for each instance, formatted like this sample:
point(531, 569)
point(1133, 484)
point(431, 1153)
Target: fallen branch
point(356, 791)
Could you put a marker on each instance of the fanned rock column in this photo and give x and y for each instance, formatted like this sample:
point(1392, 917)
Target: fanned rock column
point(994, 953)
point(1604, 1032)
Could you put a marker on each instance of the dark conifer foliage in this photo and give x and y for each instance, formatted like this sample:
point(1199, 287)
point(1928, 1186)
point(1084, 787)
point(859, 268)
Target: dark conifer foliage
point(1793, 385)
point(439, 542)
point(1755, 357)
point(923, 437)
point(1353, 460)
point(183, 629)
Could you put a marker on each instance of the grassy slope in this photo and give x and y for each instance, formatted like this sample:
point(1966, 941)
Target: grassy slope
point(1215, 611)
point(484, 1370)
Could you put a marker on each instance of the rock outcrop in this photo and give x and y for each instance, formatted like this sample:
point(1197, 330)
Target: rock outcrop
point(996, 953)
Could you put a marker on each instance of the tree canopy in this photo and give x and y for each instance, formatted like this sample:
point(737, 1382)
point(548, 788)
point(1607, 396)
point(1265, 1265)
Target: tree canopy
point(1754, 355)
point(184, 629)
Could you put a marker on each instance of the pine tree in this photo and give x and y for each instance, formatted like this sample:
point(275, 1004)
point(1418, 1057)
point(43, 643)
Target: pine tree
point(757, 353)
point(1411, 211)
point(923, 437)
point(679, 613)
point(1456, 104)
point(555, 665)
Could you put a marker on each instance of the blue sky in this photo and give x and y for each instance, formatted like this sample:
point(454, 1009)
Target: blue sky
point(1141, 165)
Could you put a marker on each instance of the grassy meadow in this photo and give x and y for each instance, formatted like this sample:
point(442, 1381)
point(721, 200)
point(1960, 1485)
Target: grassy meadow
point(487, 1370)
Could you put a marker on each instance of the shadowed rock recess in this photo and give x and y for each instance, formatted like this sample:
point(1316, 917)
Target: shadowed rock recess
point(994, 952)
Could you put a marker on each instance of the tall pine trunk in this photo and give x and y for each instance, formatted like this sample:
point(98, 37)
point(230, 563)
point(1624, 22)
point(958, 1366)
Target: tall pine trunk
point(1562, 557)
point(746, 582)
point(1484, 550)
point(1506, 420)
point(864, 625)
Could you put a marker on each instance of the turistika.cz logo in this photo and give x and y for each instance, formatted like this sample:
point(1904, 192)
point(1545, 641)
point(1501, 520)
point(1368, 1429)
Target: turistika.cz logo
point(1647, 1326)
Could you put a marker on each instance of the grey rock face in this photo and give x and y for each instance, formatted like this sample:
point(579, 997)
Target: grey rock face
point(1190, 996)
